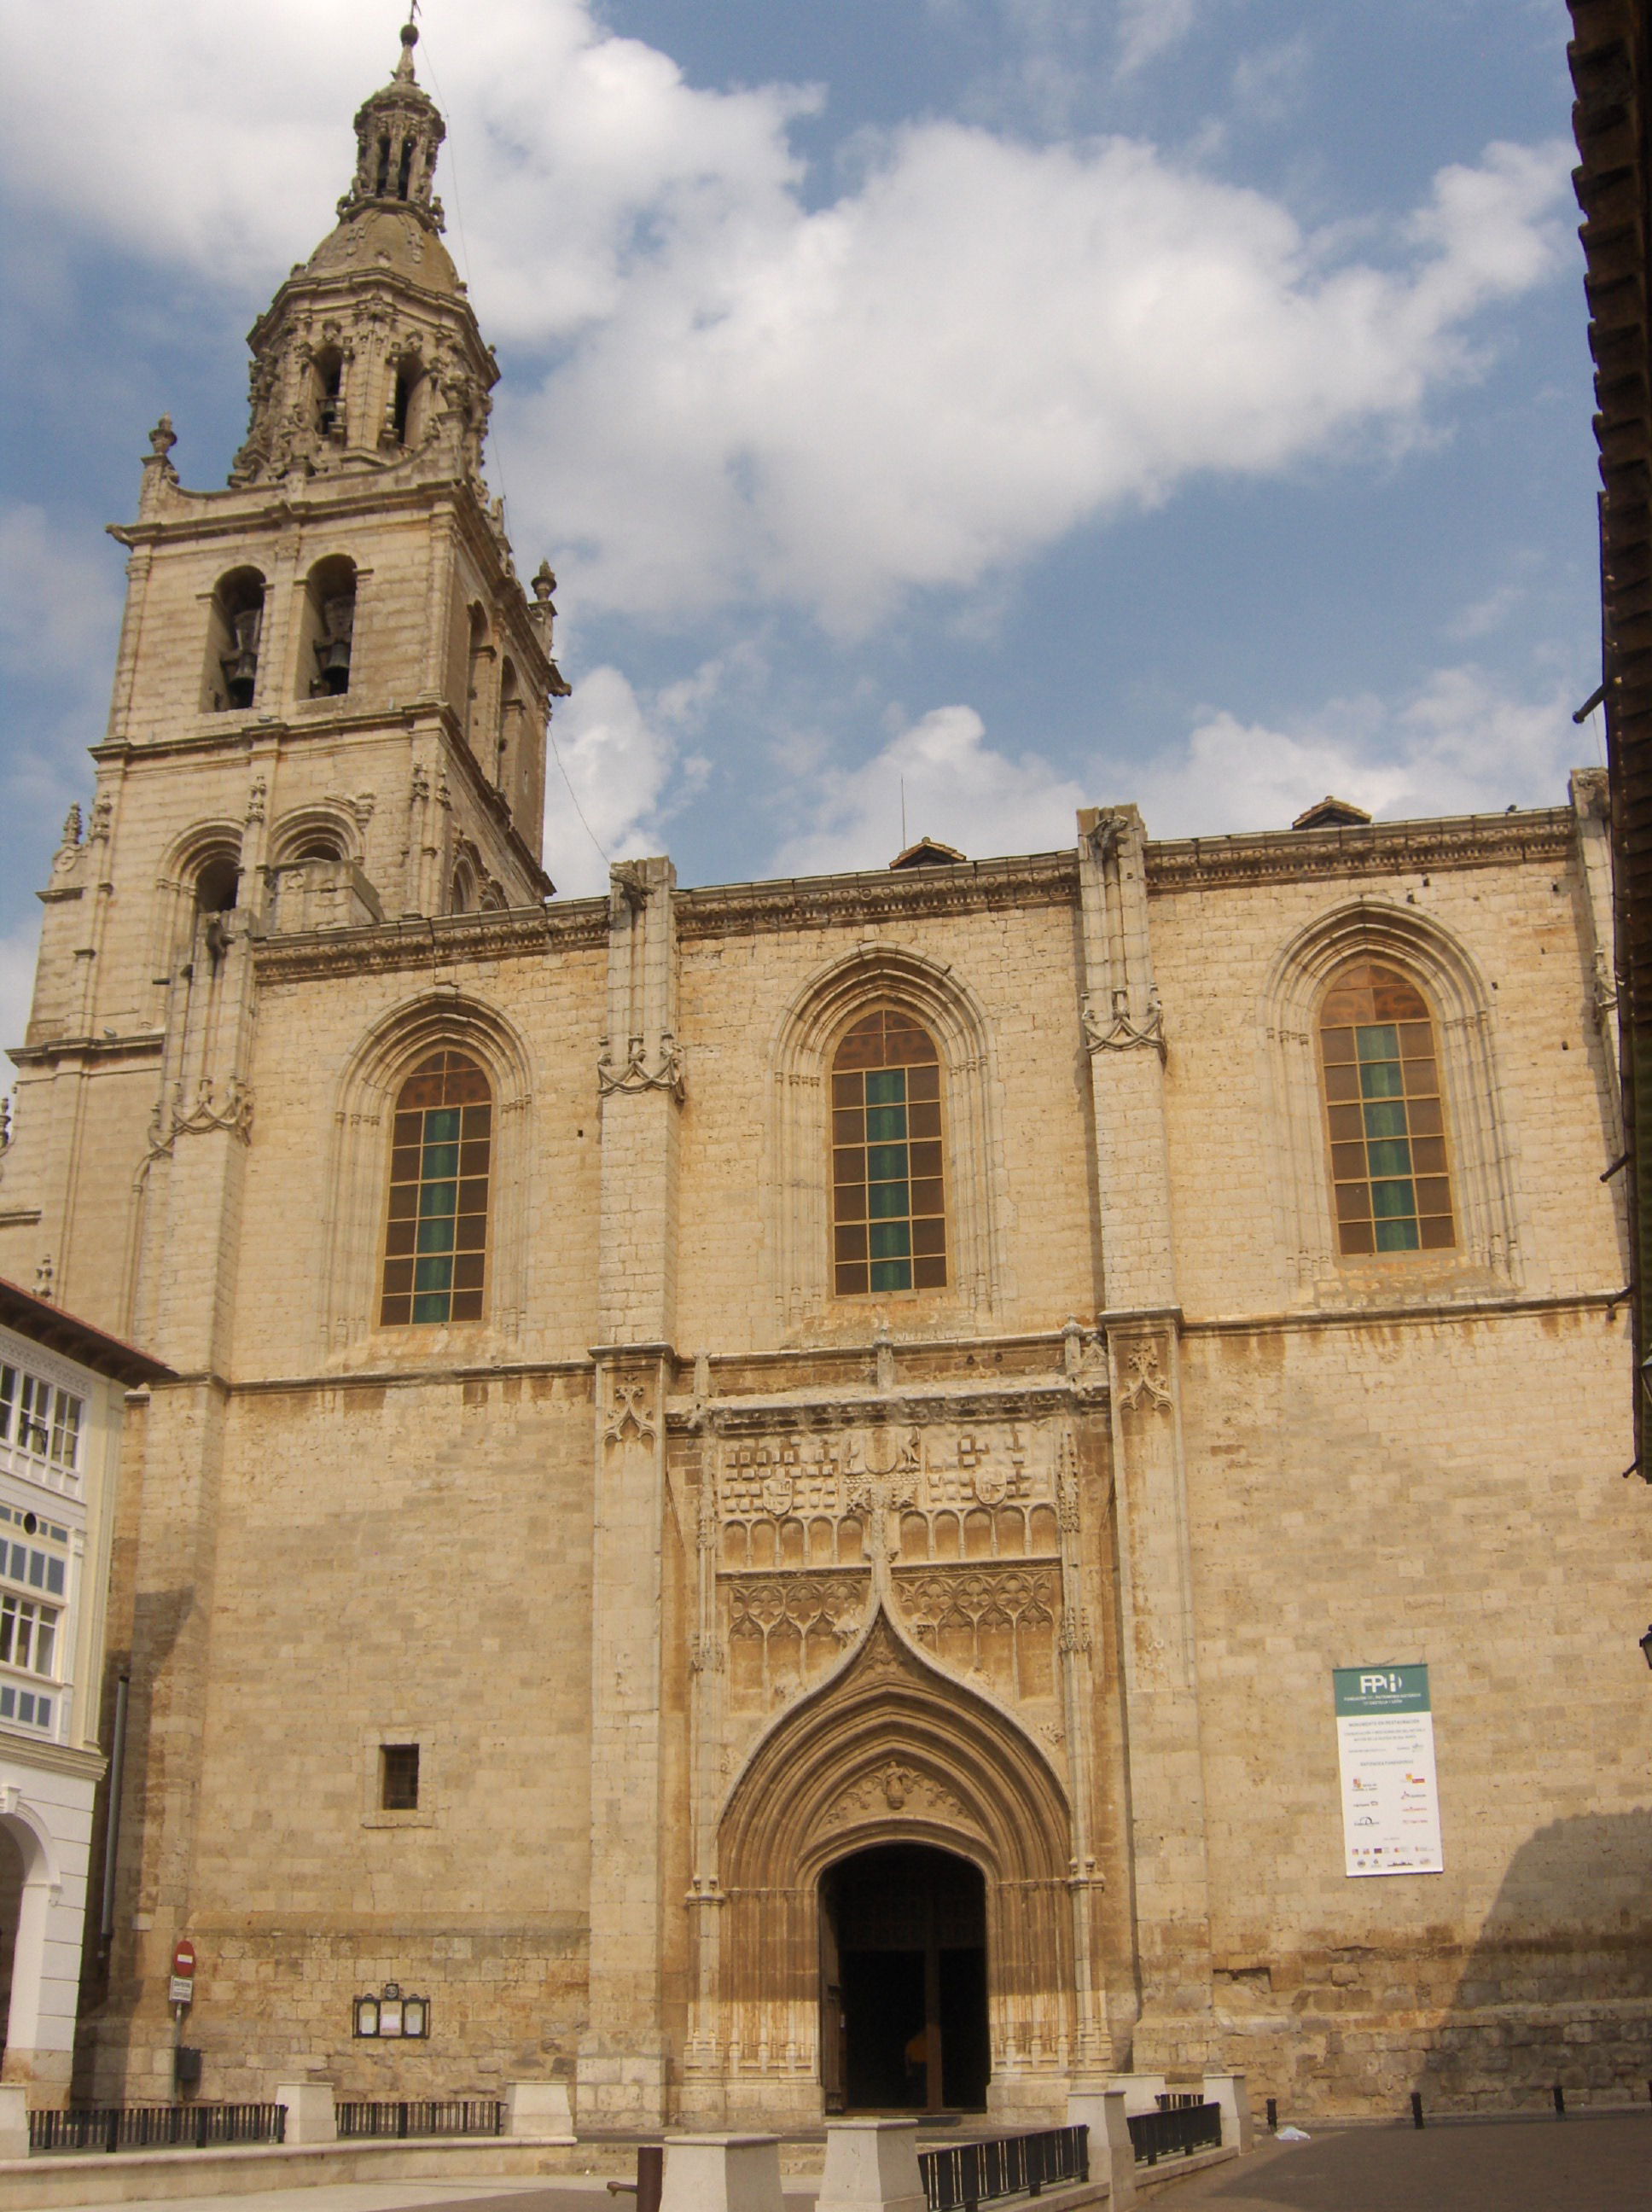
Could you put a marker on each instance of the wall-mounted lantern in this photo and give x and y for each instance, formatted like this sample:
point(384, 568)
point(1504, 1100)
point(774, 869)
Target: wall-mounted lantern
point(390, 2013)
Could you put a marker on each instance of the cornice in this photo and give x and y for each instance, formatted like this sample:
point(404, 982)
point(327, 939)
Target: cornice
point(433, 941)
point(144, 1044)
point(830, 902)
point(1037, 1398)
point(1377, 848)
point(369, 486)
point(20, 1752)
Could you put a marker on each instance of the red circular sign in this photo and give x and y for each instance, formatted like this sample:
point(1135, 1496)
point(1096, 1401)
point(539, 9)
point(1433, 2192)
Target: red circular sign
point(183, 1958)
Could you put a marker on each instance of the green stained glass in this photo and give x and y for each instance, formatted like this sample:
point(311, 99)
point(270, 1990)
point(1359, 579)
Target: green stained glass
point(1389, 1155)
point(441, 1121)
point(1376, 1044)
point(880, 1177)
point(1392, 1198)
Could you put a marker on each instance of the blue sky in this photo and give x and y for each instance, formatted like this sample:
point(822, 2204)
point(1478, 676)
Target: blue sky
point(1029, 403)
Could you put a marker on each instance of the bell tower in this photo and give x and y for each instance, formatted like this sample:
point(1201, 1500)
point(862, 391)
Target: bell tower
point(329, 712)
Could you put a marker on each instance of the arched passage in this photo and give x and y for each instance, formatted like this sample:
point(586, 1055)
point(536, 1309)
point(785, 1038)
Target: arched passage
point(903, 1981)
point(888, 1752)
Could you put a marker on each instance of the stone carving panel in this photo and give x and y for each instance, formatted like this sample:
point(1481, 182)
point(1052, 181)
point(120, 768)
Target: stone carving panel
point(785, 1632)
point(996, 1624)
point(896, 1787)
point(986, 1490)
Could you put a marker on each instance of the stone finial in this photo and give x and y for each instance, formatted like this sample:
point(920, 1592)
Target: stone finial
point(404, 68)
point(72, 827)
point(162, 439)
point(545, 583)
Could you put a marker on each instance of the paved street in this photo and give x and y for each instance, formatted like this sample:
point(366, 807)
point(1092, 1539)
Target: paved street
point(1601, 2163)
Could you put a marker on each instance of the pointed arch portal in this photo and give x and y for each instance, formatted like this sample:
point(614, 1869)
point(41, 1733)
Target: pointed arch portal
point(895, 1812)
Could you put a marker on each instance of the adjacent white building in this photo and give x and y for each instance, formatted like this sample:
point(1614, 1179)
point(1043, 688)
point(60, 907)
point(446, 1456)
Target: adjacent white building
point(63, 1392)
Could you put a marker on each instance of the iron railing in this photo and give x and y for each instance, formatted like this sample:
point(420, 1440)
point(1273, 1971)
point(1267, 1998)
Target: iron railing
point(453, 2116)
point(156, 2127)
point(969, 2174)
point(1174, 2131)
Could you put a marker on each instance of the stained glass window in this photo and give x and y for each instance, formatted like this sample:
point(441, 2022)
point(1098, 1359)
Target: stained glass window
point(436, 1238)
point(1387, 1116)
point(889, 1214)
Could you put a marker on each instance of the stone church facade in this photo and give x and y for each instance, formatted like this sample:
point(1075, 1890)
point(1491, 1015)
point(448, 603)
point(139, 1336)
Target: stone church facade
point(763, 1484)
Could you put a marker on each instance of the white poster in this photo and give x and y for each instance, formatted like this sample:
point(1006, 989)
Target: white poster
point(1390, 1793)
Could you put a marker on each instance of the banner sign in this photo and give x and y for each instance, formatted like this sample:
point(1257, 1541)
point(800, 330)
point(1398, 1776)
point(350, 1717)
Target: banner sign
point(1390, 1794)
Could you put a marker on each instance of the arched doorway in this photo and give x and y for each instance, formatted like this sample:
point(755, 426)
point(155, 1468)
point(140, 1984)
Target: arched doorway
point(13, 1874)
point(888, 1753)
point(903, 1981)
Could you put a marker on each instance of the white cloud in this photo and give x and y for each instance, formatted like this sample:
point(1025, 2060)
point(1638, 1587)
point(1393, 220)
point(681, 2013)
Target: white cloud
point(984, 347)
point(956, 788)
point(615, 761)
point(979, 346)
point(1148, 28)
point(1460, 745)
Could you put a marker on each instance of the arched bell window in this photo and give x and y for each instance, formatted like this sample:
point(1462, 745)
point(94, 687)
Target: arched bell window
point(1385, 1115)
point(235, 629)
point(511, 713)
point(889, 1206)
point(436, 1232)
point(328, 629)
point(327, 381)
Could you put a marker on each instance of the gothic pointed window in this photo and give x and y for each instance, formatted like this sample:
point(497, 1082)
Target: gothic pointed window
point(436, 1234)
point(889, 1211)
point(1385, 1115)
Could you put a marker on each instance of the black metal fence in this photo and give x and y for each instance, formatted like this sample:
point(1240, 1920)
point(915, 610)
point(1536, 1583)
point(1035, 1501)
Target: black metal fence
point(156, 2127)
point(454, 2116)
point(968, 2174)
point(1174, 2130)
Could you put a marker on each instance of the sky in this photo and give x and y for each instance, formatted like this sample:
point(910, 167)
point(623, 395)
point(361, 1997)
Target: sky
point(941, 414)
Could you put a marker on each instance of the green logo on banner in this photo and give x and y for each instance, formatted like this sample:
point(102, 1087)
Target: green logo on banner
point(1380, 1690)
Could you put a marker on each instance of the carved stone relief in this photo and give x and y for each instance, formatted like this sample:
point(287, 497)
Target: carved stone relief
point(963, 1525)
point(785, 1632)
point(995, 1624)
point(896, 1787)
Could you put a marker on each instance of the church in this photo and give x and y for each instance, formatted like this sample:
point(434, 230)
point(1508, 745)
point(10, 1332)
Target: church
point(763, 1499)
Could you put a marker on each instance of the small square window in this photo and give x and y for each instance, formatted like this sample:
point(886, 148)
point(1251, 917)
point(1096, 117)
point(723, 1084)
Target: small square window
point(398, 1777)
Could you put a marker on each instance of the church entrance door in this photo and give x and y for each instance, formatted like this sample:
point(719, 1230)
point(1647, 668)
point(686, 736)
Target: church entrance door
point(903, 1981)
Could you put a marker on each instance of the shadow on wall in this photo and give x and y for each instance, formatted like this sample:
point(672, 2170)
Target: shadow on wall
point(1557, 1989)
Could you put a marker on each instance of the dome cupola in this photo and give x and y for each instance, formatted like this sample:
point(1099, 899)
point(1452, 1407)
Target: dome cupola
point(398, 135)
